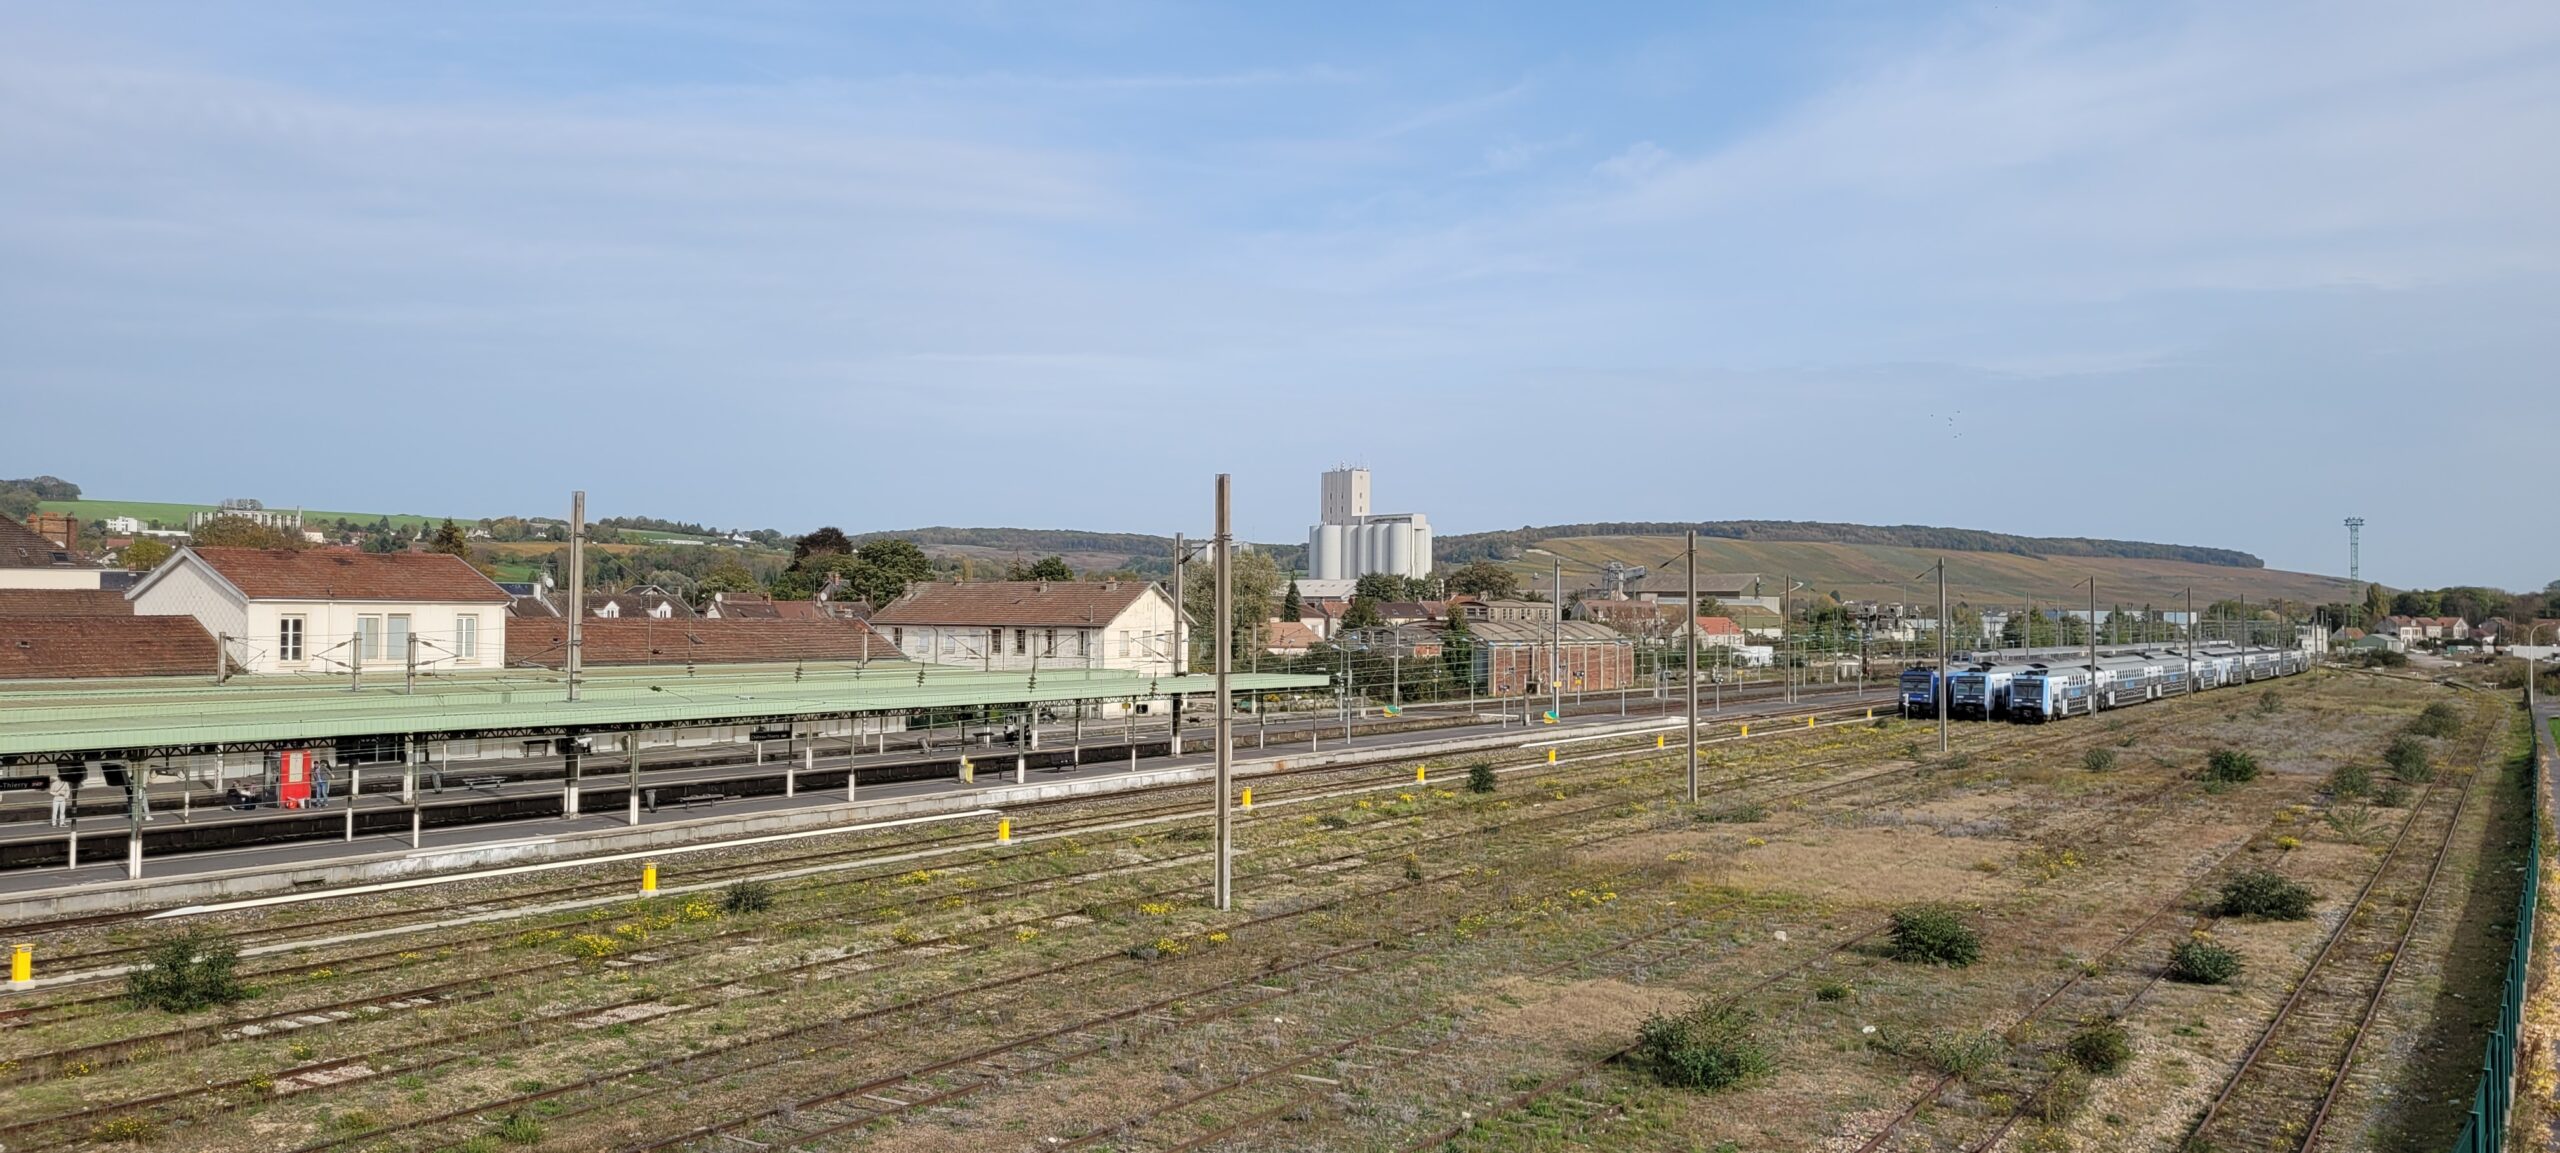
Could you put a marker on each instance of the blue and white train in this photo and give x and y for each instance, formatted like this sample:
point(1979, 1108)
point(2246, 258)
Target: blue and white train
point(2050, 686)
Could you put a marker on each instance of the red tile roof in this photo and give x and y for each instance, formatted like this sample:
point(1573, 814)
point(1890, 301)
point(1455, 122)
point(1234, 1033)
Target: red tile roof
point(328, 574)
point(649, 641)
point(64, 603)
point(23, 547)
point(1718, 627)
point(992, 603)
point(102, 646)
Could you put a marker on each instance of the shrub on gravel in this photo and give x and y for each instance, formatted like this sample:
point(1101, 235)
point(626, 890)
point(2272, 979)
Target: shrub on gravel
point(2230, 766)
point(2391, 796)
point(2101, 1047)
point(2266, 895)
point(2201, 962)
point(2351, 781)
point(519, 1129)
point(1480, 777)
point(1950, 1051)
point(1708, 1047)
point(2098, 760)
point(2408, 760)
point(2270, 703)
point(748, 896)
point(2438, 720)
point(187, 971)
point(2062, 1098)
point(1934, 935)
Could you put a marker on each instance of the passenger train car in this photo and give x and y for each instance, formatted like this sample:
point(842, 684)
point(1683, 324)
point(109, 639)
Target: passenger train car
point(2060, 685)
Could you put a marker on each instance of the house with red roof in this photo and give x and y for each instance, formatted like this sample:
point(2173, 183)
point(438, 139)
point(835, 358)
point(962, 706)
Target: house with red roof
point(328, 612)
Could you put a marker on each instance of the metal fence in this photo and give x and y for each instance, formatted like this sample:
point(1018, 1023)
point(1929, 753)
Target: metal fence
point(2485, 1130)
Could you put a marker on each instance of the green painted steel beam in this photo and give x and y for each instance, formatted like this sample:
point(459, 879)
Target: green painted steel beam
point(108, 717)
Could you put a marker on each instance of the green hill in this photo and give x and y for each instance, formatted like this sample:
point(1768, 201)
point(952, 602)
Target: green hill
point(1894, 572)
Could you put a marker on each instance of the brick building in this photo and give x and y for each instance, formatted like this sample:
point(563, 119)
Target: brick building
point(1513, 658)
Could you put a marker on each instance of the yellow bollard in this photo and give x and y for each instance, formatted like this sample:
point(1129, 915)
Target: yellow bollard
point(1746, 730)
point(649, 877)
point(22, 966)
point(1004, 830)
point(969, 771)
point(1808, 722)
point(1248, 796)
point(1551, 756)
point(1657, 742)
point(1419, 777)
point(1871, 712)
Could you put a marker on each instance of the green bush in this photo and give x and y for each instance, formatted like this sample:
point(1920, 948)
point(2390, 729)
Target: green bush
point(2199, 962)
point(2407, 757)
point(2098, 760)
point(518, 1129)
point(2266, 895)
point(1480, 777)
point(748, 896)
point(2100, 1047)
point(185, 972)
point(1831, 991)
point(2269, 703)
point(1704, 1048)
point(2349, 781)
point(2391, 796)
point(1947, 1051)
point(2438, 720)
point(1934, 935)
point(2230, 766)
point(2062, 1098)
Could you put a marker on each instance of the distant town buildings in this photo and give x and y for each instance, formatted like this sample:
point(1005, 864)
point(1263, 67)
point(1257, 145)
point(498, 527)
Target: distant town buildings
point(1349, 542)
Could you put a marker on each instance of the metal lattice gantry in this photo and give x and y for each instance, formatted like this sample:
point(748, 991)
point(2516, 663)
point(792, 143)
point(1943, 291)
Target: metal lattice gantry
point(2355, 548)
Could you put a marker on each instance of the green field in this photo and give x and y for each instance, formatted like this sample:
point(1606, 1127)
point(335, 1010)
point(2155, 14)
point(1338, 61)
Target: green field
point(175, 515)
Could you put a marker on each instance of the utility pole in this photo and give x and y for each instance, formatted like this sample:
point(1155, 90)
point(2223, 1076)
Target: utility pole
point(1690, 666)
point(1226, 732)
point(1942, 656)
point(1555, 648)
point(2194, 666)
point(577, 586)
point(1181, 651)
point(409, 682)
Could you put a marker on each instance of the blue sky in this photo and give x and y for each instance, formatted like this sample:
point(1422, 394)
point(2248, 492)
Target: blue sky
point(2210, 273)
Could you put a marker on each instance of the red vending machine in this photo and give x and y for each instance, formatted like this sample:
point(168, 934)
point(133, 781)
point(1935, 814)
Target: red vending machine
point(293, 778)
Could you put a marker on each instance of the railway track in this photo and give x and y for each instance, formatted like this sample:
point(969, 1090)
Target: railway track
point(2281, 1095)
point(334, 1072)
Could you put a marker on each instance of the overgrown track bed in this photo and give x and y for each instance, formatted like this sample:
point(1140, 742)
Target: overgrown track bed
point(1402, 957)
point(345, 1070)
point(2288, 1080)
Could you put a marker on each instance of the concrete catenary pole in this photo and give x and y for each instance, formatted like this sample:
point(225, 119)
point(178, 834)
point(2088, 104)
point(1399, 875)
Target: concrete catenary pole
point(1555, 648)
point(1181, 651)
point(577, 587)
point(1941, 694)
point(1223, 547)
point(1690, 666)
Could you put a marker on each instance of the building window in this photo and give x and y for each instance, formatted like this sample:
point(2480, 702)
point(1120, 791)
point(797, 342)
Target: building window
point(466, 637)
point(947, 647)
point(289, 639)
point(1084, 642)
point(368, 638)
point(1049, 642)
point(1124, 642)
point(1021, 641)
point(995, 641)
point(898, 637)
point(399, 642)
